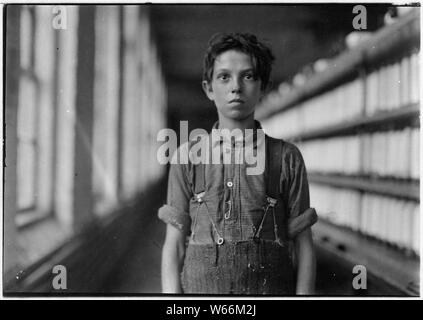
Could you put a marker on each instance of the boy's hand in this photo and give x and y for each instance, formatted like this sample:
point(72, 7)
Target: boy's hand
point(303, 221)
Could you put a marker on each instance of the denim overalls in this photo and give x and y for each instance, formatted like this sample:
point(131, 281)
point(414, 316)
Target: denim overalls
point(259, 262)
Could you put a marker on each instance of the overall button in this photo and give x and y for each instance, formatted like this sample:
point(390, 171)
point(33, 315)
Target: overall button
point(229, 184)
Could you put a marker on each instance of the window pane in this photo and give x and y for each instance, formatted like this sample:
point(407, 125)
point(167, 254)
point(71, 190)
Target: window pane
point(25, 49)
point(26, 160)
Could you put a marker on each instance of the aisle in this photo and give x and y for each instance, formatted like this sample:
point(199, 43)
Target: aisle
point(139, 272)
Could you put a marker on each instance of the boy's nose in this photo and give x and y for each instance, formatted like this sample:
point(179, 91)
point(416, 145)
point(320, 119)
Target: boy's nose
point(236, 85)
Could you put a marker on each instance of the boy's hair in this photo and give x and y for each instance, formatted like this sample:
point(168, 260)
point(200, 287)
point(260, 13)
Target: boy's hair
point(260, 54)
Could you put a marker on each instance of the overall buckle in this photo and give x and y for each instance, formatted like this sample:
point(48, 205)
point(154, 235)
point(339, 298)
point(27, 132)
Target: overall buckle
point(199, 197)
point(271, 202)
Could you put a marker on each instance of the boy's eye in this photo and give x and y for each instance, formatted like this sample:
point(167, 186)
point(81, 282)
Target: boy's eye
point(223, 76)
point(249, 77)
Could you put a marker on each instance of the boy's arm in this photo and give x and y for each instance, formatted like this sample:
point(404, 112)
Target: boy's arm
point(306, 272)
point(175, 213)
point(298, 202)
point(302, 222)
point(172, 260)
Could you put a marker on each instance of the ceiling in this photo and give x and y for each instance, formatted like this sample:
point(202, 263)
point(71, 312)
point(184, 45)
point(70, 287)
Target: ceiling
point(297, 34)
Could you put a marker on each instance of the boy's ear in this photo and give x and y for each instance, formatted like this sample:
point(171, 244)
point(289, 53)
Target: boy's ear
point(208, 90)
point(266, 90)
point(262, 94)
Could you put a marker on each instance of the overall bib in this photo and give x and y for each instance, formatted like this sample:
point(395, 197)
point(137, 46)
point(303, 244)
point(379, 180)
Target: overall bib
point(259, 265)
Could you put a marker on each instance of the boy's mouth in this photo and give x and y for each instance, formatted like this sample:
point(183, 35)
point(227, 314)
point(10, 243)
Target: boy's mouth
point(236, 100)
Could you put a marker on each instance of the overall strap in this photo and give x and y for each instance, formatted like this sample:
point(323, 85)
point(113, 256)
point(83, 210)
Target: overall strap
point(273, 166)
point(199, 179)
point(199, 175)
point(273, 171)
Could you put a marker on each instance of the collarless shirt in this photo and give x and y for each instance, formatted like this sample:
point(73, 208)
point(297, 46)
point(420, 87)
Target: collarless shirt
point(233, 200)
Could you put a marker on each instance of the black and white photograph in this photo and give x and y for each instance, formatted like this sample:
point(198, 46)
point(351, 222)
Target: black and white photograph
point(207, 150)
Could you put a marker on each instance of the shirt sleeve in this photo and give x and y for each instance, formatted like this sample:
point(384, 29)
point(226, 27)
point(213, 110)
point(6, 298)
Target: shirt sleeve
point(297, 183)
point(179, 193)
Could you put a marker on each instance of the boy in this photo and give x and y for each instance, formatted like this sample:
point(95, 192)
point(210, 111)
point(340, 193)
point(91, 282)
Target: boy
point(235, 245)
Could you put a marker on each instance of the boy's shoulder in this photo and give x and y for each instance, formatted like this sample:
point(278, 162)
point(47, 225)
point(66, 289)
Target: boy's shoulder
point(204, 142)
point(191, 151)
point(195, 151)
point(289, 149)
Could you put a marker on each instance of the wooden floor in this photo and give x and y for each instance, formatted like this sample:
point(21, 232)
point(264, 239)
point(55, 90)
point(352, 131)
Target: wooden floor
point(139, 272)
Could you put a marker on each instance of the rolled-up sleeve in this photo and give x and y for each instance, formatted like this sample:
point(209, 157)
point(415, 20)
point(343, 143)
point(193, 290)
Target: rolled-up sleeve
point(297, 183)
point(176, 209)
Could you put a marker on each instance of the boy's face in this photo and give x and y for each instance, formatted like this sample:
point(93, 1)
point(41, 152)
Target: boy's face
point(233, 88)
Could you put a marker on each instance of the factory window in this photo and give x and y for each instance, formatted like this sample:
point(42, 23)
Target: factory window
point(34, 117)
point(27, 119)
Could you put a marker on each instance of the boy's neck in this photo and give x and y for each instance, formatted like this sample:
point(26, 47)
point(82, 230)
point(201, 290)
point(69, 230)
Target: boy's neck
point(231, 124)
